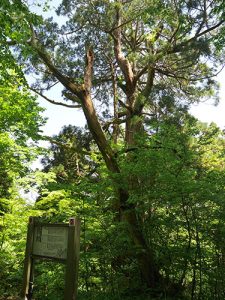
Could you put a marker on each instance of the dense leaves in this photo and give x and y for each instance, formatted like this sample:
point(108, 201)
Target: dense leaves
point(19, 122)
point(178, 189)
point(71, 155)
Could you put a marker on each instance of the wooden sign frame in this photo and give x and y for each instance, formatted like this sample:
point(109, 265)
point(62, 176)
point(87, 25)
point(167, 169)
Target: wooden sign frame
point(71, 259)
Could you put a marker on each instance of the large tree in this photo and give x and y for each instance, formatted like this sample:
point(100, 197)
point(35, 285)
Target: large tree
point(122, 63)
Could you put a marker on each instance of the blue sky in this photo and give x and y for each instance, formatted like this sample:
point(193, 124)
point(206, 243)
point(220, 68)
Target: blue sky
point(207, 112)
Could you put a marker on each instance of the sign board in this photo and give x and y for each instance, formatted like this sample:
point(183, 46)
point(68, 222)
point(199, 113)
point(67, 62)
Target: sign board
point(50, 241)
point(55, 242)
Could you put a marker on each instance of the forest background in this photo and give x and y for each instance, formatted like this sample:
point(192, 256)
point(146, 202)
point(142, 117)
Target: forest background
point(145, 176)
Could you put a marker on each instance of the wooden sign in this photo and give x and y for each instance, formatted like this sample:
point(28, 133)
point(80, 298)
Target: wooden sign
point(59, 242)
point(50, 241)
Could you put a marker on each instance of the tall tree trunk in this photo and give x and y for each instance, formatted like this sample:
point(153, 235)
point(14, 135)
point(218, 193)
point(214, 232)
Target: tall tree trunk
point(115, 105)
point(148, 268)
point(146, 261)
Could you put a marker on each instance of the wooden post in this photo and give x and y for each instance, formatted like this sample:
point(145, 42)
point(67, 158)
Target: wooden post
point(72, 261)
point(28, 262)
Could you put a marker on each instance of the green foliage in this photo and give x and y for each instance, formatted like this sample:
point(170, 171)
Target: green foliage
point(20, 113)
point(13, 227)
point(49, 280)
point(19, 121)
point(70, 154)
point(178, 190)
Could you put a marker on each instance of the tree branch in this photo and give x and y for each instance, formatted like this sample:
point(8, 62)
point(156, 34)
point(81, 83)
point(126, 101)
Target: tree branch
point(71, 97)
point(89, 70)
point(64, 145)
point(149, 84)
point(52, 101)
point(177, 48)
point(123, 62)
point(113, 122)
point(76, 89)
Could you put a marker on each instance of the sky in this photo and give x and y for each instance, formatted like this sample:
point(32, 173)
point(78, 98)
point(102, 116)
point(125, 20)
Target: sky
point(207, 112)
point(58, 116)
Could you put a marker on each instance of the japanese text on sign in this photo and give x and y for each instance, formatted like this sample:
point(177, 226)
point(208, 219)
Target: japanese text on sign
point(50, 241)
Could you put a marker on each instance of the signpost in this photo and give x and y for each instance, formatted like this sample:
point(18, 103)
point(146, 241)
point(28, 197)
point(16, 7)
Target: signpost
point(57, 242)
point(50, 241)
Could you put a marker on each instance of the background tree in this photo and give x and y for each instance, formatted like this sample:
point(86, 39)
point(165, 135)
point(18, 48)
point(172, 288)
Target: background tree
point(71, 154)
point(20, 123)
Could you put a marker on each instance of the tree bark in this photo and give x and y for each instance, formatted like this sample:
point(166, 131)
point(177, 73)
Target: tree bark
point(145, 257)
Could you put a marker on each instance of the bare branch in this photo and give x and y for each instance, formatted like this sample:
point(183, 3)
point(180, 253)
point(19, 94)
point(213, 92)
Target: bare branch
point(148, 114)
point(74, 88)
point(123, 62)
point(89, 69)
point(118, 26)
point(124, 105)
point(73, 31)
point(141, 72)
point(209, 29)
point(52, 101)
point(122, 114)
point(149, 84)
point(173, 75)
point(115, 103)
point(174, 33)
